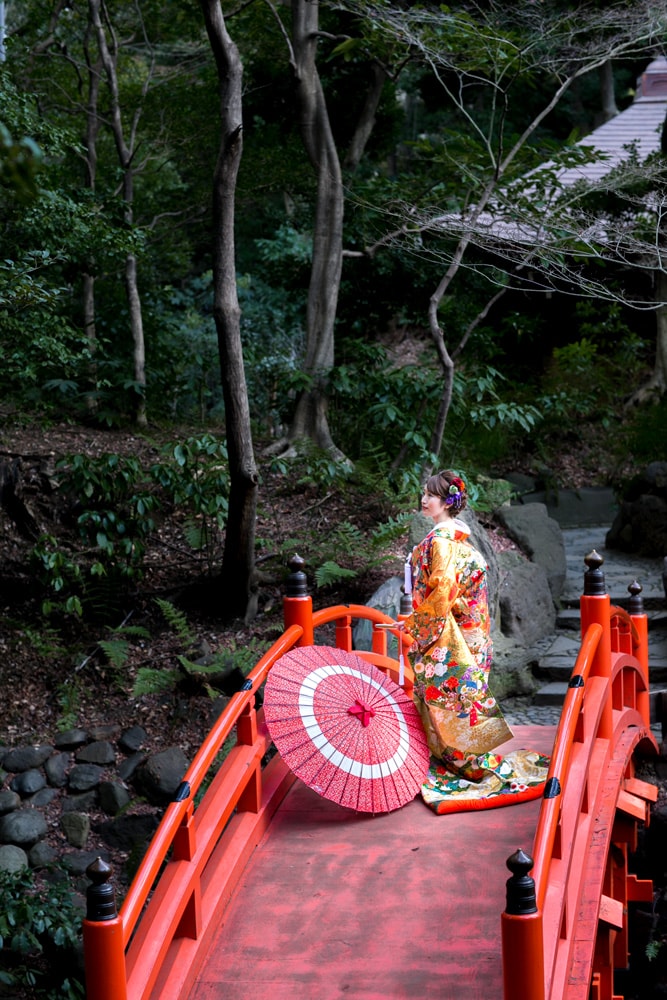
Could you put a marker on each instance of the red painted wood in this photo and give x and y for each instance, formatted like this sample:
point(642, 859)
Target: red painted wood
point(404, 904)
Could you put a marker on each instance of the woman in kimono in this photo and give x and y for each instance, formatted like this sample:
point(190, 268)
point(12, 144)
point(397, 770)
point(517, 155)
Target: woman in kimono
point(451, 659)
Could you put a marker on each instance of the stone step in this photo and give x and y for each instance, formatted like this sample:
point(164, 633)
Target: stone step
point(553, 694)
point(620, 597)
point(559, 668)
point(569, 618)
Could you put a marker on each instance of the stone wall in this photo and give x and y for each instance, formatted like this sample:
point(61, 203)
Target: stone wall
point(89, 793)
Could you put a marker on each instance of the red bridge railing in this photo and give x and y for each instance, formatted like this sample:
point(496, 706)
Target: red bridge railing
point(154, 944)
point(565, 920)
point(568, 920)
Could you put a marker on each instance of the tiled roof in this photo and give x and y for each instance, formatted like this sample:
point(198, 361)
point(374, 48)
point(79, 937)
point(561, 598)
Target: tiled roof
point(640, 124)
point(506, 222)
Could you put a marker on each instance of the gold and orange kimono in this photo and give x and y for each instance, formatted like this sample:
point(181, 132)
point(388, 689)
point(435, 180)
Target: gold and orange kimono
point(452, 651)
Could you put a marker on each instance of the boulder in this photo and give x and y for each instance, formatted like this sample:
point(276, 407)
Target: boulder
point(511, 669)
point(130, 830)
point(83, 777)
point(12, 858)
point(28, 782)
point(113, 797)
point(44, 797)
point(25, 758)
point(540, 537)
point(9, 801)
point(133, 739)
point(42, 855)
point(527, 611)
point(127, 767)
point(24, 827)
point(100, 752)
point(76, 827)
point(160, 775)
point(56, 768)
point(70, 739)
point(387, 598)
point(640, 526)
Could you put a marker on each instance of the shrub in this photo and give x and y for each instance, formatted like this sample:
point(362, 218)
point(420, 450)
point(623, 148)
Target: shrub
point(40, 927)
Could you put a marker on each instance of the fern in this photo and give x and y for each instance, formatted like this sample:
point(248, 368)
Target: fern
point(653, 950)
point(349, 537)
point(330, 572)
point(199, 668)
point(390, 531)
point(176, 620)
point(151, 681)
point(138, 631)
point(196, 533)
point(116, 651)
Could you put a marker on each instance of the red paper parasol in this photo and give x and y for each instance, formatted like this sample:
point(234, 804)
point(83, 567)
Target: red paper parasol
point(346, 729)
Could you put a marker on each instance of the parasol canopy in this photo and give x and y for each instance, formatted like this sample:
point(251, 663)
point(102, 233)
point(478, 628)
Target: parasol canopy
point(346, 729)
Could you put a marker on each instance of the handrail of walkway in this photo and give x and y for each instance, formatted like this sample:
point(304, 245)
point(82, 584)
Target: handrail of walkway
point(551, 919)
point(153, 944)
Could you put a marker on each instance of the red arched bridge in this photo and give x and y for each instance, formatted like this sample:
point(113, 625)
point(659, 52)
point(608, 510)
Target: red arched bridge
point(255, 885)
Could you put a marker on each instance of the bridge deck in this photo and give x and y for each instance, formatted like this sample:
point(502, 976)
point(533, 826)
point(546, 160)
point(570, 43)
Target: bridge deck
point(405, 904)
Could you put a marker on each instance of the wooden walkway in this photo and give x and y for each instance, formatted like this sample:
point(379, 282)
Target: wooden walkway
point(340, 904)
point(255, 886)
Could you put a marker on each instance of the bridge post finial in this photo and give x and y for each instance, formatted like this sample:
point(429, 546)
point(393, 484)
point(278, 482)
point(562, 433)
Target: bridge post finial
point(297, 581)
point(297, 602)
point(520, 894)
point(594, 581)
point(100, 894)
point(636, 602)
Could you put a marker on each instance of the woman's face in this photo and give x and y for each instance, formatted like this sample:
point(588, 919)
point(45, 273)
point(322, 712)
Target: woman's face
point(434, 506)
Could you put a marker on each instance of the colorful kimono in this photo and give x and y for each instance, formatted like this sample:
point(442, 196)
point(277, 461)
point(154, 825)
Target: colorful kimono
point(452, 651)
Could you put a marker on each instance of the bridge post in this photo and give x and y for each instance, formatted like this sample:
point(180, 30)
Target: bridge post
point(522, 934)
point(103, 945)
point(640, 621)
point(595, 607)
point(297, 603)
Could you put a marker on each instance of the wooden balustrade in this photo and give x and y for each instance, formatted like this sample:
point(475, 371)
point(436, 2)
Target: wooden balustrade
point(576, 933)
point(154, 944)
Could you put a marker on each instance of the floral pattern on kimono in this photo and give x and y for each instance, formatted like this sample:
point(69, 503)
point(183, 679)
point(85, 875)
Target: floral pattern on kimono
point(452, 651)
point(508, 780)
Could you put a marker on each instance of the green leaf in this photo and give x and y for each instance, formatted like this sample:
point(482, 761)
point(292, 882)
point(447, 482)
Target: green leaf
point(330, 572)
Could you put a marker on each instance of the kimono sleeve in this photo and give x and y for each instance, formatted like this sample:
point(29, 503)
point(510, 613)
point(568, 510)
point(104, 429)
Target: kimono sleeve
point(426, 622)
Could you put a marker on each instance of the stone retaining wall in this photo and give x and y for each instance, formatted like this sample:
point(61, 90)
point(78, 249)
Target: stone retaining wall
point(63, 802)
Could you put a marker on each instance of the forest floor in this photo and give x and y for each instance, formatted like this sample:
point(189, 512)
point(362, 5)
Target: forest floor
point(50, 673)
point(59, 677)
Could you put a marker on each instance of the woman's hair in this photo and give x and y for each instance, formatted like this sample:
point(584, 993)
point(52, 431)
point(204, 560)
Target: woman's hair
point(450, 488)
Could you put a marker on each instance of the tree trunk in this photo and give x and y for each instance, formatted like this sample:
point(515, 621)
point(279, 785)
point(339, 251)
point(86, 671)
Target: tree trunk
point(137, 328)
point(125, 156)
point(656, 385)
point(607, 95)
point(310, 418)
point(238, 563)
point(88, 302)
point(362, 132)
point(94, 68)
point(660, 367)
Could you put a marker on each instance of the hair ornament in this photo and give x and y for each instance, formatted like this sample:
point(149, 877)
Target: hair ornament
point(456, 489)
